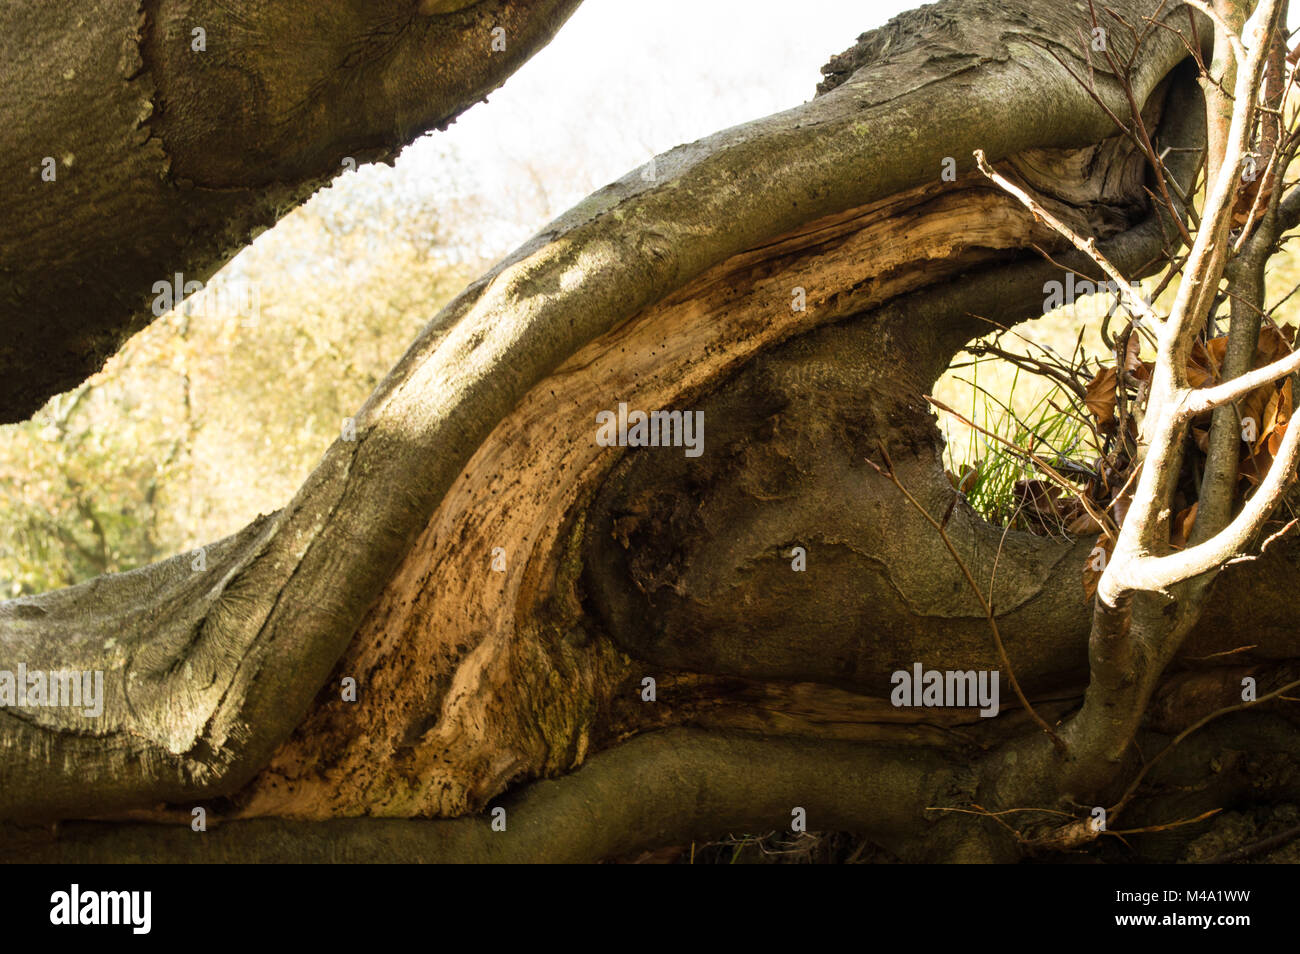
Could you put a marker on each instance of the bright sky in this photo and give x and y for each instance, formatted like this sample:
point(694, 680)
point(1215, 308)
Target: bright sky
point(624, 80)
point(621, 82)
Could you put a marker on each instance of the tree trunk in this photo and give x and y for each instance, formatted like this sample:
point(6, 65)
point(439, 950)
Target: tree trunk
point(499, 584)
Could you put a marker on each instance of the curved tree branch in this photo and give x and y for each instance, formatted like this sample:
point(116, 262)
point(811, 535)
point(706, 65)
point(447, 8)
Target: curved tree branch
point(152, 139)
point(209, 671)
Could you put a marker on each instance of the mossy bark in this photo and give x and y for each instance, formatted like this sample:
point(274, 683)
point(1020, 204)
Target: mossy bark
point(479, 683)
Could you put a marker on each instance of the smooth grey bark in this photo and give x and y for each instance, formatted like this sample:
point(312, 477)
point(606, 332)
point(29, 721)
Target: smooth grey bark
point(683, 785)
point(210, 671)
point(168, 160)
point(697, 783)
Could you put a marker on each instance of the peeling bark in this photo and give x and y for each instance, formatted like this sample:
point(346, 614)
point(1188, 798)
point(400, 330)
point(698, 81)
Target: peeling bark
point(478, 684)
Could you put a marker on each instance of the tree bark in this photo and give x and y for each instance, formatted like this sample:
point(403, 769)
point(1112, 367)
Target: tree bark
point(167, 159)
point(499, 585)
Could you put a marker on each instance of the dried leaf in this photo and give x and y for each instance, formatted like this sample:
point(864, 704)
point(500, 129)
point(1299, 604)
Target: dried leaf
point(969, 476)
point(1273, 421)
point(1095, 565)
point(1037, 496)
point(1250, 198)
point(1100, 395)
point(1181, 531)
point(1254, 467)
point(1252, 410)
point(1133, 364)
point(1119, 508)
point(1217, 349)
point(1083, 525)
point(1280, 419)
point(1272, 345)
point(1204, 362)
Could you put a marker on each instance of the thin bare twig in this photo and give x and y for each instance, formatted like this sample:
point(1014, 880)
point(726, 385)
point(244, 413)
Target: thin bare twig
point(1088, 246)
point(1259, 847)
point(979, 594)
point(1107, 525)
point(1142, 774)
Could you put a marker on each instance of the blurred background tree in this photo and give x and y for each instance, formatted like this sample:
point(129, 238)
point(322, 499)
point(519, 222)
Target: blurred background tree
point(218, 411)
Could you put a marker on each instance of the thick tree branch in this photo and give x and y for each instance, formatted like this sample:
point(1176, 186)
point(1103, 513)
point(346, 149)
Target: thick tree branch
point(664, 788)
point(147, 140)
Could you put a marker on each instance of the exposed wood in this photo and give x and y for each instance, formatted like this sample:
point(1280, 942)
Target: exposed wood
point(671, 293)
point(449, 715)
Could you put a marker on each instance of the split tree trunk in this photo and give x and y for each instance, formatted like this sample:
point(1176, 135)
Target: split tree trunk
point(499, 584)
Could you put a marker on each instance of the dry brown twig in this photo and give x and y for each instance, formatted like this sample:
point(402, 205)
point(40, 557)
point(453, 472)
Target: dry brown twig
point(888, 473)
point(1104, 521)
point(1200, 723)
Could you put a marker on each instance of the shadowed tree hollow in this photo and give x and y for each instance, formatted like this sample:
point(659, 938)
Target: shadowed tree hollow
point(489, 597)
